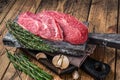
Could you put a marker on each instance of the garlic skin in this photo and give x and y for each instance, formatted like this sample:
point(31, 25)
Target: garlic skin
point(75, 75)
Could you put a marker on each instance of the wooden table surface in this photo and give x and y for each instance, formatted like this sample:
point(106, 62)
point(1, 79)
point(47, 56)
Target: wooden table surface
point(102, 15)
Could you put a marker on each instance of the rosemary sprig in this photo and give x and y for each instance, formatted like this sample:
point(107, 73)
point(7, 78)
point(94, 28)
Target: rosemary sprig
point(26, 38)
point(22, 63)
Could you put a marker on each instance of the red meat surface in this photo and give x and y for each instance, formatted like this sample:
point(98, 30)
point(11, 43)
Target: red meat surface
point(44, 26)
point(52, 25)
point(73, 31)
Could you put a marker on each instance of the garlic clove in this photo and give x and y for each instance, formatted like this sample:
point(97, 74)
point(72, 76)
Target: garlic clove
point(59, 63)
point(65, 63)
point(40, 55)
point(75, 75)
point(56, 62)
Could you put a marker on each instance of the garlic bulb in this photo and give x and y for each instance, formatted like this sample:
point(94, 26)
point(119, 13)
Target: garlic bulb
point(60, 61)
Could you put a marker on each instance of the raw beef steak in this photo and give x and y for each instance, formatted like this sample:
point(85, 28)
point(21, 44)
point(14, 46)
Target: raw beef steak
point(73, 31)
point(52, 25)
point(43, 26)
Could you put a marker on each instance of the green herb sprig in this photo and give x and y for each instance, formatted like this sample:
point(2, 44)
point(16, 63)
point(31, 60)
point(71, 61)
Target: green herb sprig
point(27, 39)
point(22, 63)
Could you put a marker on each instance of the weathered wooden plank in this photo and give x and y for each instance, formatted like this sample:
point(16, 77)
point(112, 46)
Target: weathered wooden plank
point(102, 17)
point(4, 63)
point(118, 51)
point(78, 9)
point(5, 7)
point(35, 6)
point(12, 14)
point(25, 77)
point(48, 5)
point(11, 73)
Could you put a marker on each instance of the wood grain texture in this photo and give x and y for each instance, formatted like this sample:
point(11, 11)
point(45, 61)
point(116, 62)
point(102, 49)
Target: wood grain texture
point(13, 10)
point(11, 73)
point(12, 14)
point(49, 5)
point(78, 9)
point(102, 16)
point(118, 51)
point(4, 63)
point(5, 8)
